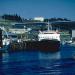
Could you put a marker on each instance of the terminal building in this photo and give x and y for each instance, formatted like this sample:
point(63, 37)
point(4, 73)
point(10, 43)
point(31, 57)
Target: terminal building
point(73, 35)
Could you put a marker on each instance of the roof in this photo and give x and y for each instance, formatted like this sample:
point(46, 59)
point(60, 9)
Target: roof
point(9, 33)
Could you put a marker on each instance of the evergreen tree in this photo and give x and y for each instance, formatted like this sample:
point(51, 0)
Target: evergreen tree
point(12, 17)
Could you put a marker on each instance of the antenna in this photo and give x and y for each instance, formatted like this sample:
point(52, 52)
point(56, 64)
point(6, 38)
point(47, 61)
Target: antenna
point(49, 26)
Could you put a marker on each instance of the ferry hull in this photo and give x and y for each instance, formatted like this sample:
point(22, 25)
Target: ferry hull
point(49, 45)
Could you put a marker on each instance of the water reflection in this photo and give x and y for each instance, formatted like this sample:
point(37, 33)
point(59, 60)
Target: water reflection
point(47, 63)
point(39, 63)
point(43, 55)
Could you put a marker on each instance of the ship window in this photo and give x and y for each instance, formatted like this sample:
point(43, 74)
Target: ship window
point(48, 33)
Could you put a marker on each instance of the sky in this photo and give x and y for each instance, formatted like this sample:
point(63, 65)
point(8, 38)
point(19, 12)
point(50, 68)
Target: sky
point(35, 8)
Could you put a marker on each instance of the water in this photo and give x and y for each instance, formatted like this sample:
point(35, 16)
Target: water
point(39, 63)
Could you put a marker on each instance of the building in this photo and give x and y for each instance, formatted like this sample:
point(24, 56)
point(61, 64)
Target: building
point(39, 19)
point(73, 35)
point(17, 29)
point(64, 25)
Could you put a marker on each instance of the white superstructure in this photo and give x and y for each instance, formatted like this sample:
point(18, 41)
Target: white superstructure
point(49, 35)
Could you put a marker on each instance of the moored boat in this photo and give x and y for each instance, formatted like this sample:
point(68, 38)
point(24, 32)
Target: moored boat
point(47, 41)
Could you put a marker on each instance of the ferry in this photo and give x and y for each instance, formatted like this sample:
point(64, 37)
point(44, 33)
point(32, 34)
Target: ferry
point(47, 41)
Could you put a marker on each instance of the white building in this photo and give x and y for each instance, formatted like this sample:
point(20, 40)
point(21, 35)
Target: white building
point(17, 31)
point(39, 18)
point(73, 33)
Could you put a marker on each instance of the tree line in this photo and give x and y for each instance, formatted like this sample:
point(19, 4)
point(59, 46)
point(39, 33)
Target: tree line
point(56, 19)
point(14, 17)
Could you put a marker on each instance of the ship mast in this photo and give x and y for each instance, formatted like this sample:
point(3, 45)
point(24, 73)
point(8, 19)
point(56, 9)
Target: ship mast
point(49, 26)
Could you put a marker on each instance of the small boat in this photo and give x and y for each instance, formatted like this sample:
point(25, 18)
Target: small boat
point(9, 39)
point(6, 38)
point(4, 41)
point(3, 47)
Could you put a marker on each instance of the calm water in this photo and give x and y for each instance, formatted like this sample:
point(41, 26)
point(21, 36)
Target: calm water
point(39, 63)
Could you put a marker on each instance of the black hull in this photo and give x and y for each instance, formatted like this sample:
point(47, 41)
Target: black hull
point(46, 46)
point(0, 38)
point(49, 45)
